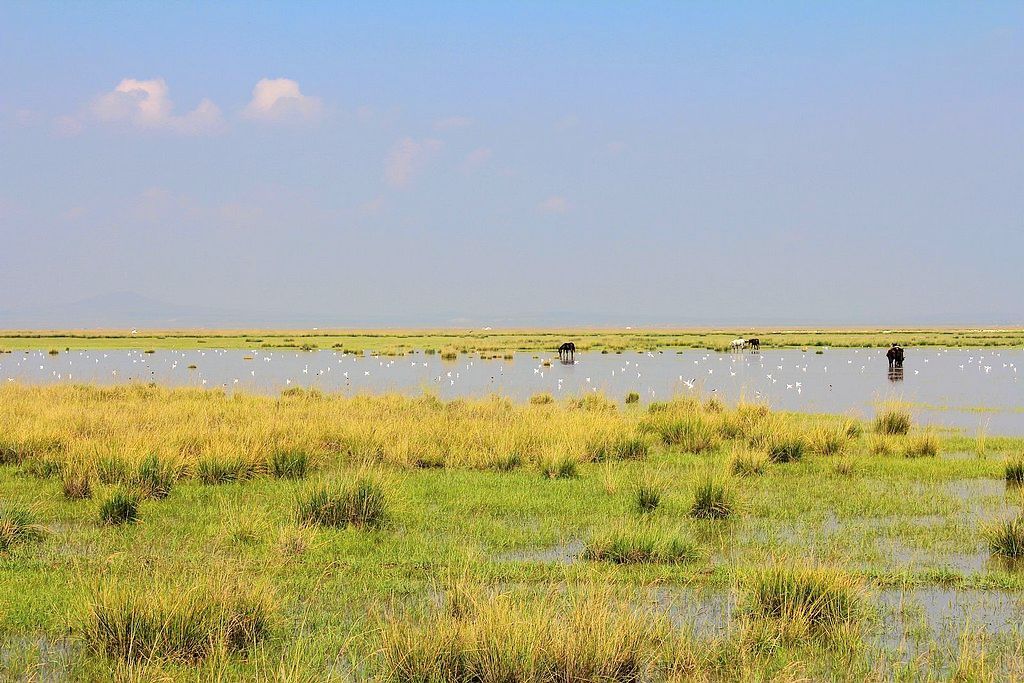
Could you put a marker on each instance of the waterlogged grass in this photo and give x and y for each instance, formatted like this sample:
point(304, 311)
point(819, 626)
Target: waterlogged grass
point(639, 544)
point(254, 567)
point(799, 599)
point(163, 621)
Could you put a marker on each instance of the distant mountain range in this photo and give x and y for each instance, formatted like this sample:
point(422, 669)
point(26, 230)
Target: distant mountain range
point(124, 310)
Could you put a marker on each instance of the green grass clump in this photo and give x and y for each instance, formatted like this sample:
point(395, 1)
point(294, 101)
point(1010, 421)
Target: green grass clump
point(507, 639)
point(780, 442)
point(713, 497)
point(921, 445)
point(507, 462)
point(40, 467)
point(155, 477)
point(893, 420)
point(362, 504)
point(110, 469)
point(648, 497)
point(288, 464)
point(17, 526)
point(748, 462)
point(449, 354)
point(120, 507)
point(690, 432)
point(641, 544)
point(803, 599)
point(220, 470)
point(827, 440)
point(1006, 537)
point(542, 399)
point(563, 467)
point(1013, 470)
point(626, 447)
point(76, 482)
point(163, 623)
point(632, 397)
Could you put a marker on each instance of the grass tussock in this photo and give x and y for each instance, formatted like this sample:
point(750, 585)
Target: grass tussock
point(779, 440)
point(559, 467)
point(120, 507)
point(1006, 537)
point(1013, 470)
point(542, 399)
point(502, 639)
point(802, 600)
point(689, 431)
point(827, 440)
point(893, 420)
point(168, 623)
point(156, 476)
point(714, 497)
point(76, 482)
point(361, 504)
point(285, 464)
point(922, 445)
point(648, 496)
point(18, 526)
point(748, 462)
point(225, 470)
point(640, 544)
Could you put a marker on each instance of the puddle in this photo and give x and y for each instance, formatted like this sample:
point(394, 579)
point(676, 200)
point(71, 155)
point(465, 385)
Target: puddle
point(707, 612)
point(940, 615)
point(35, 658)
point(563, 553)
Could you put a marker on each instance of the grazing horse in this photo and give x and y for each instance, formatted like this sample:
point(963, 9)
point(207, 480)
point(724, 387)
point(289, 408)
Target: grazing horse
point(754, 344)
point(567, 351)
point(737, 344)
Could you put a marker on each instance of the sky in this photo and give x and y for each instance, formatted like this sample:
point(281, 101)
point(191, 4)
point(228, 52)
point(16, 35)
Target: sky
point(443, 163)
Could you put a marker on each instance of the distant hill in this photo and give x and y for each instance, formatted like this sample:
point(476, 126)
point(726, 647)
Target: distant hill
point(126, 309)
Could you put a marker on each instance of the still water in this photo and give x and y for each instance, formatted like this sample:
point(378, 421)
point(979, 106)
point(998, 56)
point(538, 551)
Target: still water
point(949, 387)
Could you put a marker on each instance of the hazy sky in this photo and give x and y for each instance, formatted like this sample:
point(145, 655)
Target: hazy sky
point(680, 162)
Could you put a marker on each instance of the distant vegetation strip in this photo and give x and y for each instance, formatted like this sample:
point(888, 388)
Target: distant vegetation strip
point(495, 342)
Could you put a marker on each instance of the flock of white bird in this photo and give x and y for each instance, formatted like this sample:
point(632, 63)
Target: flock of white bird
point(835, 380)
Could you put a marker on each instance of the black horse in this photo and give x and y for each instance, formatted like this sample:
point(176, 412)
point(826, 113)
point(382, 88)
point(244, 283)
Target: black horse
point(567, 352)
point(754, 344)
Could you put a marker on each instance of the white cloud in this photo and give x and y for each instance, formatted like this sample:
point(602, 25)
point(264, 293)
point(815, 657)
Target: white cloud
point(477, 158)
point(453, 122)
point(407, 158)
point(554, 204)
point(147, 104)
point(280, 99)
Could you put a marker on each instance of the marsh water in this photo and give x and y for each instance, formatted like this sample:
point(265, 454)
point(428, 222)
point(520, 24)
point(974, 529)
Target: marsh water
point(963, 388)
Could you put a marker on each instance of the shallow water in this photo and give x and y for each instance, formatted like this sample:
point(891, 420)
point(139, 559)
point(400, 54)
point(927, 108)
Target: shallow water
point(949, 387)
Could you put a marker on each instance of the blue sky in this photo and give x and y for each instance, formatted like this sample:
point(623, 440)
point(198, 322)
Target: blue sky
point(433, 163)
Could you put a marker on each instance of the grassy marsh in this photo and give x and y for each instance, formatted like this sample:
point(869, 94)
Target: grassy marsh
point(347, 557)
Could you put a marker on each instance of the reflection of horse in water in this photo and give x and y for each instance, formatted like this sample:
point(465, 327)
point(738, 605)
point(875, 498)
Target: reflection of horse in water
point(896, 373)
point(567, 352)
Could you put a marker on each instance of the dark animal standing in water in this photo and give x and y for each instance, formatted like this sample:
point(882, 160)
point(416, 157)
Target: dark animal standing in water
point(567, 351)
point(754, 344)
point(895, 356)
